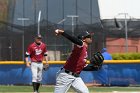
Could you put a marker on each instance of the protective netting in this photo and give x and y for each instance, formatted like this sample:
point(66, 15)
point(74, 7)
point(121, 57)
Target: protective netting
point(19, 24)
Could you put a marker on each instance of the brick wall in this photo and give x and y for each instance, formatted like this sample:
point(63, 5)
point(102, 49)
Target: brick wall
point(118, 45)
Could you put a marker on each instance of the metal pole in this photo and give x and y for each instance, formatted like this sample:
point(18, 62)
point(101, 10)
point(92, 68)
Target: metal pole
point(126, 33)
point(126, 30)
point(39, 16)
point(72, 23)
point(11, 46)
point(72, 27)
point(61, 21)
point(23, 23)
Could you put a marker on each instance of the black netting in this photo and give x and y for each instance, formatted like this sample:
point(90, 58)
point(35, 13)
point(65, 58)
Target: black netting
point(16, 35)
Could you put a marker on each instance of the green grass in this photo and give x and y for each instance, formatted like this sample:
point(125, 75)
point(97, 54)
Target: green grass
point(110, 89)
point(51, 89)
point(24, 88)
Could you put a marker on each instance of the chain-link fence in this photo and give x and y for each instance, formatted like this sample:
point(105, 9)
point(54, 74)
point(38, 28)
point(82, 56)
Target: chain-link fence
point(19, 24)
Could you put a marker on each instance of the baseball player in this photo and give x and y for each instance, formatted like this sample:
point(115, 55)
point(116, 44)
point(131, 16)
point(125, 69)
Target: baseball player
point(37, 52)
point(68, 76)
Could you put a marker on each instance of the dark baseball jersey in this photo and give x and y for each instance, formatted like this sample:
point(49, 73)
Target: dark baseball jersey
point(77, 60)
point(36, 52)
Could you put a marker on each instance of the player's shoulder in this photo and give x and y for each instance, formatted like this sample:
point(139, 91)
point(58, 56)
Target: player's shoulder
point(43, 43)
point(78, 46)
point(31, 45)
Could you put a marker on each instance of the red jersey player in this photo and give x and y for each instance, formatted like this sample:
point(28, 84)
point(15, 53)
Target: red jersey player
point(69, 75)
point(36, 51)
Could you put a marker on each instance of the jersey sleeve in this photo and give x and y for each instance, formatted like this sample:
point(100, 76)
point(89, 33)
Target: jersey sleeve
point(73, 39)
point(29, 51)
point(90, 67)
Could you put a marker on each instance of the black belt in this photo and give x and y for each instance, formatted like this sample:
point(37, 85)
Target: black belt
point(71, 73)
point(37, 61)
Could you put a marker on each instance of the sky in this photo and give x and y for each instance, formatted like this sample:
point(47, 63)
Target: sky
point(119, 8)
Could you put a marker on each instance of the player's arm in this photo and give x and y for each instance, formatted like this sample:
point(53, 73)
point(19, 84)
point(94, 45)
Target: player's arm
point(28, 63)
point(27, 56)
point(91, 67)
point(46, 55)
point(69, 37)
point(46, 59)
point(45, 65)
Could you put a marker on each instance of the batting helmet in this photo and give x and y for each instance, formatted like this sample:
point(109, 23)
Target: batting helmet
point(84, 35)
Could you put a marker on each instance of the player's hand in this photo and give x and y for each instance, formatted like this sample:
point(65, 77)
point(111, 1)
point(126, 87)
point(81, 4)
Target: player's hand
point(28, 64)
point(45, 66)
point(58, 31)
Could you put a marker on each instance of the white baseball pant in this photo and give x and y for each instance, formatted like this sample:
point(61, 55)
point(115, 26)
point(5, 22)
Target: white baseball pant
point(36, 69)
point(64, 81)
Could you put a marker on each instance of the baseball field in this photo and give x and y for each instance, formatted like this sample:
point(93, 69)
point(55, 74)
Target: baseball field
point(49, 89)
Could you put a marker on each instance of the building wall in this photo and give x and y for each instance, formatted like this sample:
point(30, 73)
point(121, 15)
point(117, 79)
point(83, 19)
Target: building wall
point(116, 45)
point(3, 10)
